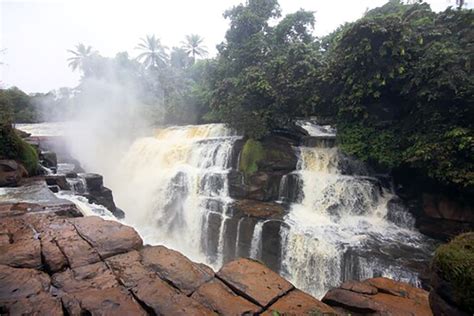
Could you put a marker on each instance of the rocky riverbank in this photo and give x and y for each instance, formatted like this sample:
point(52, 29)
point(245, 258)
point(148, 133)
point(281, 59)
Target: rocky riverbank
point(54, 261)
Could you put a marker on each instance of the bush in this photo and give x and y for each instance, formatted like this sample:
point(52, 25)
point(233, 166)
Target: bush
point(13, 147)
point(252, 153)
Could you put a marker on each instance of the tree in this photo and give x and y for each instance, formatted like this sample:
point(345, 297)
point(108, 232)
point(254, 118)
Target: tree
point(194, 46)
point(80, 54)
point(154, 53)
point(265, 75)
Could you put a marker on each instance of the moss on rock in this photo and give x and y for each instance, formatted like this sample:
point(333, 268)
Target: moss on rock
point(14, 147)
point(455, 263)
point(252, 153)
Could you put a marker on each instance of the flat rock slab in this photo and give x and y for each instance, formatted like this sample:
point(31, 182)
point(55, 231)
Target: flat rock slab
point(217, 296)
point(93, 276)
point(297, 302)
point(22, 283)
point(380, 296)
point(175, 268)
point(152, 291)
point(24, 253)
point(42, 304)
point(254, 281)
point(113, 301)
point(107, 237)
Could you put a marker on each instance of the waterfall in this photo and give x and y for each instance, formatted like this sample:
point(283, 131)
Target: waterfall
point(173, 188)
point(341, 228)
point(256, 244)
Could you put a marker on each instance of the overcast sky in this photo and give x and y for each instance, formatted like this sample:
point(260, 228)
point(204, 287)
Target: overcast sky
point(36, 34)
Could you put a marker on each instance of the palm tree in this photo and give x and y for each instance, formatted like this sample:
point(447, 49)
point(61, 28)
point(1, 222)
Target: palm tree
point(79, 56)
point(154, 54)
point(193, 46)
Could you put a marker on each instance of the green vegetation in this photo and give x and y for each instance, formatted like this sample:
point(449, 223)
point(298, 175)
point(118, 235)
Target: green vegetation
point(252, 153)
point(17, 106)
point(455, 262)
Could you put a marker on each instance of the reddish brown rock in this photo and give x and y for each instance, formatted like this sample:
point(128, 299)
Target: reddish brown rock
point(21, 283)
point(359, 287)
point(258, 209)
point(93, 276)
point(107, 237)
point(254, 281)
point(155, 293)
point(11, 173)
point(401, 289)
point(165, 300)
point(53, 257)
point(391, 298)
point(42, 304)
point(78, 252)
point(299, 303)
point(218, 297)
point(22, 254)
point(112, 301)
point(172, 266)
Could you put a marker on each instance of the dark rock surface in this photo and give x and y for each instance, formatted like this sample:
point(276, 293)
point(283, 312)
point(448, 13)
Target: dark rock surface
point(11, 173)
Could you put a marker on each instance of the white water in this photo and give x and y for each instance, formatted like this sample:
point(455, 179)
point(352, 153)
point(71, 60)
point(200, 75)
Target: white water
point(338, 212)
point(166, 184)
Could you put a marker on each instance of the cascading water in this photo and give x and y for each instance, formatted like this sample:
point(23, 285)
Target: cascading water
point(171, 185)
point(340, 228)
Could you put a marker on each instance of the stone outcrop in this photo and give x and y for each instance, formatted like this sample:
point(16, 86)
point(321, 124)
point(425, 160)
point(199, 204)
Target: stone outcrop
point(98, 194)
point(378, 296)
point(11, 172)
point(53, 261)
point(452, 277)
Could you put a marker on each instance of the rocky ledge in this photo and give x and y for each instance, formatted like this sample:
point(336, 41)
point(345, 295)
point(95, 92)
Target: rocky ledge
point(53, 261)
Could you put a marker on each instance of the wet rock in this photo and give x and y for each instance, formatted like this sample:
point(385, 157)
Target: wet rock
point(254, 281)
point(48, 159)
point(57, 180)
point(175, 268)
point(218, 297)
point(245, 233)
point(107, 237)
point(11, 173)
point(105, 198)
point(390, 298)
point(442, 207)
point(263, 186)
point(271, 244)
point(291, 188)
point(297, 302)
point(210, 242)
point(54, 259)
point(237, 186)
point(279, 154)
point(94, 181)
point(263, 210)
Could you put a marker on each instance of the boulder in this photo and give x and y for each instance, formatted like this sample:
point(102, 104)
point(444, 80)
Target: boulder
point(218, 297)
point(11, 173)
point(379, 296)
point(254, 281)
point(48, 159)
point(57, 180)
point(107, 237)
point(452, 277)
point(175, 268)
point(94, 181)
point(297, 302)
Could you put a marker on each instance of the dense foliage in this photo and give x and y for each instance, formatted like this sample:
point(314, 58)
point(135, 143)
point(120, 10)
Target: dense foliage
point(17, 106)
point(264, 74)
point(401, 81)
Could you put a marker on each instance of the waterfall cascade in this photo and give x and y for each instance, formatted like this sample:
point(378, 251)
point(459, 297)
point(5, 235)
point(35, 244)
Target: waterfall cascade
point(340, 227)
point(174, 184)
point(340, 223)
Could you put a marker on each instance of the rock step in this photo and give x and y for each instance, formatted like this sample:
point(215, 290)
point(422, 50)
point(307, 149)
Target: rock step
point(55, 263)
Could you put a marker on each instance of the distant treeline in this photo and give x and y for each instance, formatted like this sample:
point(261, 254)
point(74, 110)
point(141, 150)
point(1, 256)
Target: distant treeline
point(397, 83)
